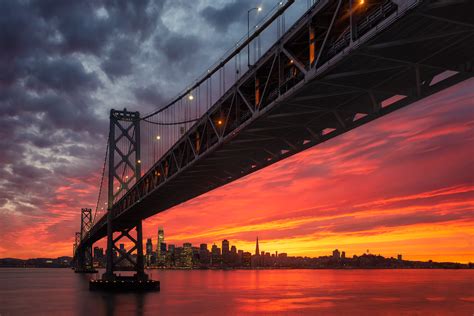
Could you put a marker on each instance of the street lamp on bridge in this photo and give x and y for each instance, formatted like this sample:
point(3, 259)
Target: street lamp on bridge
point(258, 9)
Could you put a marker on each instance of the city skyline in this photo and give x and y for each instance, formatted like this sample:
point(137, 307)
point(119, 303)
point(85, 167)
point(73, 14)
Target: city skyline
point(153, 246)
point(225, 255)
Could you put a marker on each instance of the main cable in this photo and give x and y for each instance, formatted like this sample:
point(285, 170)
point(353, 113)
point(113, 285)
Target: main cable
point(102, 178)
point(171, 123)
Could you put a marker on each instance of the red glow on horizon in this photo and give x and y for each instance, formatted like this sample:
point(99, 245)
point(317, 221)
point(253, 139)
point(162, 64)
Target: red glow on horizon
point(402, 184)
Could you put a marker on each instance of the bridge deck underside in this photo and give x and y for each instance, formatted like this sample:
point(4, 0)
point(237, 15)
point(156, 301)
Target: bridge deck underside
point(401, 61)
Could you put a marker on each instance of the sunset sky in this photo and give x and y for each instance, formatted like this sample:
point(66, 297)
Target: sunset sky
point(403, 184)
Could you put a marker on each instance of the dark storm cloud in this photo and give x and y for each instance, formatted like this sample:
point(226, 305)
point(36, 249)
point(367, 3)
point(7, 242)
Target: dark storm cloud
point(149, 95)
point(53, 126)
point(179, 48)
point(119, 60)
point(221, 18)
point(62, 64)
point(65, 74)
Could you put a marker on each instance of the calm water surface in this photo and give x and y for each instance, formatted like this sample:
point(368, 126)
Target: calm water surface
point(353, 292)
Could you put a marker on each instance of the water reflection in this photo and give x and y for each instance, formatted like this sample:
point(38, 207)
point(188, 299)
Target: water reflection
point(52, 291)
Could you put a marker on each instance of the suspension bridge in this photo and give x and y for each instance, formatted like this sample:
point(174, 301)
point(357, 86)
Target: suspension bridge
point(340, 65)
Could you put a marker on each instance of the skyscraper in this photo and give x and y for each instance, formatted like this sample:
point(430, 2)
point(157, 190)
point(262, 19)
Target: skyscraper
point(215, 255)
point(149, 246)
point(161, 240)
point(149, 251)
point(225, 251)
point(204, 254)
point(257, 250)
point(225, 246)
point(99, 256)
point(187, 255)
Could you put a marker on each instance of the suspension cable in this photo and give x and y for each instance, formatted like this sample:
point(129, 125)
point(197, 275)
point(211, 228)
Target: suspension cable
point(102, 178)
point(245, 41)
point(171, 123)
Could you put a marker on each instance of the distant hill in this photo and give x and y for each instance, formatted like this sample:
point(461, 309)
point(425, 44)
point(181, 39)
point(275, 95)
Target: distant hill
point(60, 262)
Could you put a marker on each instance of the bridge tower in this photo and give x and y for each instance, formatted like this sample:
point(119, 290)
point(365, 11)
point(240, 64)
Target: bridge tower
point(124, 171)
point(84, 260)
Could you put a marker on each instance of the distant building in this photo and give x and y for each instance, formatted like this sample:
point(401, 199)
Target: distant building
point(240, 257)
point(195, 251)
point(204, 257)
point(99, 259)
point(161, 239)
point(187, 255)
point(148, 252)
point(98, 253)
point(336, 254)
point(257, 250)
point(343, 255)
point(171, 256)
point(225, 252)
point(246, 259)
point(215, 255)
point(399, 257)
point(149, 246)
point(234, 258)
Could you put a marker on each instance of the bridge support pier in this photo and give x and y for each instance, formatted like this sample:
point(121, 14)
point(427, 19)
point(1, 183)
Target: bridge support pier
point(125, 261)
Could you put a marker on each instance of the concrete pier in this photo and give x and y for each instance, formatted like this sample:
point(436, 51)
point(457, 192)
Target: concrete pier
point(124, 284)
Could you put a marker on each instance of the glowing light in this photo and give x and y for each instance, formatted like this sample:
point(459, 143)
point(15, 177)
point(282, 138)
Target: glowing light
point(219, 122)
point(191, 97)
point(139, 161)
point(361, 2)
point(291, 61)
point(259, 9)
point(158, 137)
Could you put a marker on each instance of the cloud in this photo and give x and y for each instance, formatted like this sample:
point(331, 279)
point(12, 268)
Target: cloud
point(221, 18)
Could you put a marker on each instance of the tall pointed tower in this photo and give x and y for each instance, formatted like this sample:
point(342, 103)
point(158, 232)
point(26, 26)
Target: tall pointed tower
point(257, 250)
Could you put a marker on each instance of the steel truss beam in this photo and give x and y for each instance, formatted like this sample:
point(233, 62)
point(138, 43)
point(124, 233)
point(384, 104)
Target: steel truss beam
point(287, 103)
point(185, 152)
